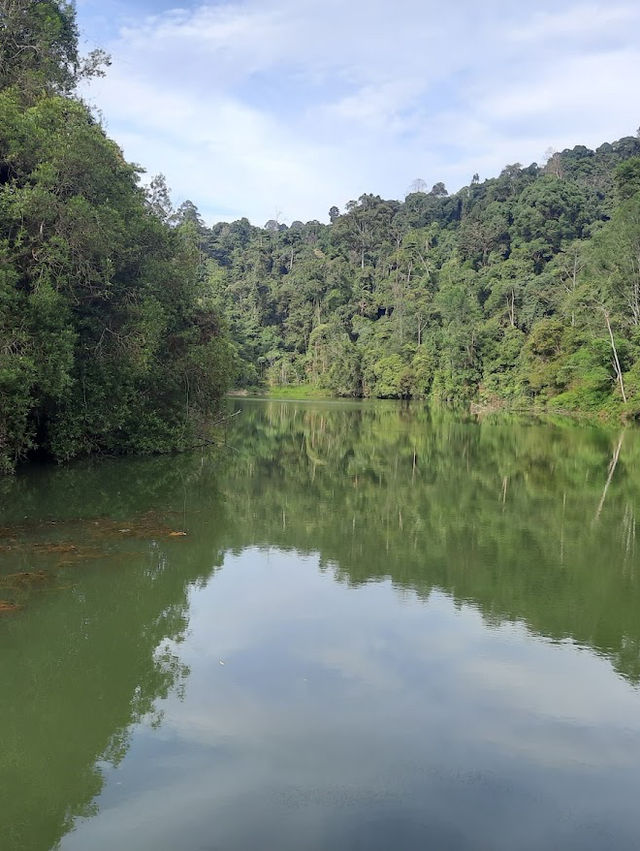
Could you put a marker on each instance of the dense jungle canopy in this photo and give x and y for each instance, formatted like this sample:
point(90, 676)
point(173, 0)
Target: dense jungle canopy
point(123, 321)
point(521, 289)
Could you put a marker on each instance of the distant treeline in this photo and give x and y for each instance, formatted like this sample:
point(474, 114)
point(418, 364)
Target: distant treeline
point(521, 289)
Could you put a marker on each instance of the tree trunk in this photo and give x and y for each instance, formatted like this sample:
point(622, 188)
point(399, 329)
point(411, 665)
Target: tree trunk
point(615, 355)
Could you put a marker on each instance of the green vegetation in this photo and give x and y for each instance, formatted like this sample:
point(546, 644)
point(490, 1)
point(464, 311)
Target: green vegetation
point(298, 391)
point(523, 290)
point(108, 339)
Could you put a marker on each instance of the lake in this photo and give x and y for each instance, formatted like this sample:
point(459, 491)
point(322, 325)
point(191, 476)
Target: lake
point(351, 626)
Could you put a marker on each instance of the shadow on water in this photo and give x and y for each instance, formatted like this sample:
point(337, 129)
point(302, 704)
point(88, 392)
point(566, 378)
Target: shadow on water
point(526, 521)
point(88, 655)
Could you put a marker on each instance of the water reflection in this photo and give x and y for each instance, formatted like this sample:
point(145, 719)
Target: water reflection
point(521, 526)
point(510, 515)
point(87, 656)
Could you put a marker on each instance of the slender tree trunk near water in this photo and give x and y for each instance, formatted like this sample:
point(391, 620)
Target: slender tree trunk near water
point(615, 355)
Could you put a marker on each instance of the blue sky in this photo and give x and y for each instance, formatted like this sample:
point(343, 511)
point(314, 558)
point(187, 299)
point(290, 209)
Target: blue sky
point(282, 108)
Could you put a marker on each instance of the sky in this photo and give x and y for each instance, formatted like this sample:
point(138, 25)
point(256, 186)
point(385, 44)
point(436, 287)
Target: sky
point(279, 109)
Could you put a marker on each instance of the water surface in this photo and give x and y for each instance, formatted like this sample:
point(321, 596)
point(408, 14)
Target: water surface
point(384, 628)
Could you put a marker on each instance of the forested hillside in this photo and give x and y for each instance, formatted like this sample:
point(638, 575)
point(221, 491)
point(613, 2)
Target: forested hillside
point(122, 321)
point(522, 289)
point(108, 339)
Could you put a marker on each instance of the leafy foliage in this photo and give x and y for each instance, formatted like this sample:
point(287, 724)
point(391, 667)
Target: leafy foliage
point(108, 338)
point(523, 289)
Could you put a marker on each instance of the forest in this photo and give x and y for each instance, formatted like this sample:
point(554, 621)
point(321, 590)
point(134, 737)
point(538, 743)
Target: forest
point(123, 321)
point(520, 290)
point(109, 340)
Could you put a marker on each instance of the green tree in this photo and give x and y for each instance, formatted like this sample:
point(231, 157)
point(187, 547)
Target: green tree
point(39, 48)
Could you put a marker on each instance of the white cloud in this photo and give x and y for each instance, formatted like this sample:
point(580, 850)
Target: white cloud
point(255, 107)
point(577, 22)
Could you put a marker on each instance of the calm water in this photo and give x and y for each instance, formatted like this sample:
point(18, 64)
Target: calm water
point(384, 629)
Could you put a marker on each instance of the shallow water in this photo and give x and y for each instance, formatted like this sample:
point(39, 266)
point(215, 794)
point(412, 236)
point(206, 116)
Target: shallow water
point(383, 628)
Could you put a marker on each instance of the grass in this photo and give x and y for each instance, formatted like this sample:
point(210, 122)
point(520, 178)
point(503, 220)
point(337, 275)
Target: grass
point(298, 391)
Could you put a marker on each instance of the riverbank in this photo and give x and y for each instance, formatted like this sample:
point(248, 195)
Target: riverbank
point(610, 416)
point(286, 391)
